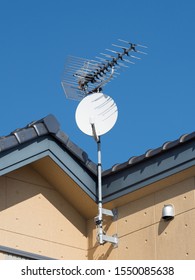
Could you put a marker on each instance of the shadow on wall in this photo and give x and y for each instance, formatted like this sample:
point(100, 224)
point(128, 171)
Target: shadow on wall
point(163, 226)
point(95, 250)
point(35, 201)
point(174, 194)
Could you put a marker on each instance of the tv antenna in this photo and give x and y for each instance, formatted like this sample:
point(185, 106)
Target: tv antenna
point(97, 113)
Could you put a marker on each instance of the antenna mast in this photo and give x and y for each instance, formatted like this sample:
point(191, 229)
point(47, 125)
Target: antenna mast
point(97, 113)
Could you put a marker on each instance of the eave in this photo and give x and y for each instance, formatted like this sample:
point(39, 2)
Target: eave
point(50, 151)
point(149, 170)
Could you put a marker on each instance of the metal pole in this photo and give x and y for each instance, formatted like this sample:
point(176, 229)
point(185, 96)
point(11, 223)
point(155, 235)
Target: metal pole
point(101, 237)
point(100, 220)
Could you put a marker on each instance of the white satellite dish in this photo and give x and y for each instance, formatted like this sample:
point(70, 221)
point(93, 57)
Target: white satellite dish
point(96, 110)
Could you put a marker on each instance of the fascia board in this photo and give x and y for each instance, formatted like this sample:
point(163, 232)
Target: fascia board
point(22, 155)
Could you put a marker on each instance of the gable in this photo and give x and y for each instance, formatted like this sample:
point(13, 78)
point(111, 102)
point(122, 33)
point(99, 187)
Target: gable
point(36, 218)
point(56, 165)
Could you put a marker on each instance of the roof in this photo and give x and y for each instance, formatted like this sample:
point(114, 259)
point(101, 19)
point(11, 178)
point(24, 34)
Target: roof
point(151, 153)
point(44, 137)
point(45, 126)
point(49, 125)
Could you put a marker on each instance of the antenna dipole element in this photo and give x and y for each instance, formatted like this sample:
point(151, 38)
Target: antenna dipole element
point(85, 76)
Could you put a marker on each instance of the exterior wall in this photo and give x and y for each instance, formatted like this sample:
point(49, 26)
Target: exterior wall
point(142, 232)
point(35, 218)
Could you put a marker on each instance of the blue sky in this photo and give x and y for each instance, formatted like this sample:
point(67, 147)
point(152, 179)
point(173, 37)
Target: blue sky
point(155, 97)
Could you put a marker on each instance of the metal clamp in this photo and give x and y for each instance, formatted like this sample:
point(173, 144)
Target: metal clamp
point(103, 238)
point(112, 213)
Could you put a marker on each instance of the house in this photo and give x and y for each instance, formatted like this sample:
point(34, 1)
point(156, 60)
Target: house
point(48, 199)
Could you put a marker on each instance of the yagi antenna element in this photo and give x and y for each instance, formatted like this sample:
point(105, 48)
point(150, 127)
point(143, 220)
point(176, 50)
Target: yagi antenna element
point(97, 113)
point(85, 76)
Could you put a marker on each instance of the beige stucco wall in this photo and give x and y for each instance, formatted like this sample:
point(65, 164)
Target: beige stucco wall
point(35, 218)
point(142, 232)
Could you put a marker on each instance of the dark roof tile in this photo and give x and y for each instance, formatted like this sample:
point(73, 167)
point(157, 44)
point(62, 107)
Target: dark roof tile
point(62, 137)
point(107, 172)
point(137, 159)
point(120, 166)
point(114, 167)
point(154, 152)
point(8, 142)
point(25, 135)
point(148, 153)
point(51, 123)
point(170, 145)
point(40, 129)
point(165, 145)
point(78, 152)
point(131, 160)
point(188, 137)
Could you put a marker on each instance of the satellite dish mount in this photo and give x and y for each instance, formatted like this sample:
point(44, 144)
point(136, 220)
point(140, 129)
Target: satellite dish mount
point(97, 113)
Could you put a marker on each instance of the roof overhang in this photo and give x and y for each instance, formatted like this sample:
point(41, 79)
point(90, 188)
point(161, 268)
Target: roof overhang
point(149, 171)
point(51, 160)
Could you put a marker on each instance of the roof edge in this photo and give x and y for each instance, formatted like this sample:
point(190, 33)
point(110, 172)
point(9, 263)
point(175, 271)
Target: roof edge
point(149, 154)
point(48, 125)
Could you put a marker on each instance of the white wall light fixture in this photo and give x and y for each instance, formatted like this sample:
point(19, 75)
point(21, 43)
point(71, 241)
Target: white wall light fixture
point(168, 212)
